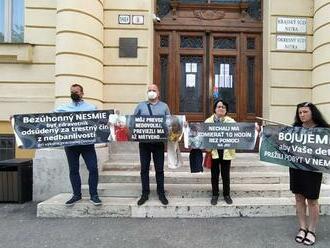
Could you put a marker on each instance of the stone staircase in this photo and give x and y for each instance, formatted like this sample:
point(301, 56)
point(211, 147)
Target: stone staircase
point(257, 189)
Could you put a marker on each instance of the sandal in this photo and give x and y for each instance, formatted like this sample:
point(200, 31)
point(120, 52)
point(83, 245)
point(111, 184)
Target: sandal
point(309, 241)
point(301, 235)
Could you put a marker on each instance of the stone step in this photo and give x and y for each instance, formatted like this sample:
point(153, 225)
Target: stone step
point(186, 162)
point(119, 148)
point(185, 177)
point(199, 190)
point(124, 147)
point(134, 156)
point(177, 208)
point(242, 162)
point(235, 166)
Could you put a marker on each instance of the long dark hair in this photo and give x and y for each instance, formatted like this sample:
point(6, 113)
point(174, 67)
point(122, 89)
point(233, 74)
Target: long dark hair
point(317, 117)
point(223, 102)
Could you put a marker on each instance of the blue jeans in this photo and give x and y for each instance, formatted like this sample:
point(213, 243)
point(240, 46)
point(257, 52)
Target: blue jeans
point(157, 151)
point(89, 155)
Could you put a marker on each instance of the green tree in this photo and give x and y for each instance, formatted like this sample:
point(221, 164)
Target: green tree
point(17, 34)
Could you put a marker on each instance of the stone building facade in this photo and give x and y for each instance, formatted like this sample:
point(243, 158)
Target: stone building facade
point(68, 41)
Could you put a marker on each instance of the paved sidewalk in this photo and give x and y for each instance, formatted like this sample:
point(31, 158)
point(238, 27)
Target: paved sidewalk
point(19, 227)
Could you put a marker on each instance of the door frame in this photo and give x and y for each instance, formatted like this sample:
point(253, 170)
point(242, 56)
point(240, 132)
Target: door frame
point(212, 20)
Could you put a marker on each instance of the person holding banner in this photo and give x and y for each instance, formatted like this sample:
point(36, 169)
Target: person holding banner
point(221, 158)
point(87, 151)
point(148, 108)
point(306, 184)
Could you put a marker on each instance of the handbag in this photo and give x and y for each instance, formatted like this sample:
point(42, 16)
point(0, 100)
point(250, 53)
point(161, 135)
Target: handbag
point(207, 163)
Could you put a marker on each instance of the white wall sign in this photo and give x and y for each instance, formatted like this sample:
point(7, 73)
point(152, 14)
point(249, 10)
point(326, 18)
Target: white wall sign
point(291, 42)
point(291, 25)
point(138, 19)
point(124, 19)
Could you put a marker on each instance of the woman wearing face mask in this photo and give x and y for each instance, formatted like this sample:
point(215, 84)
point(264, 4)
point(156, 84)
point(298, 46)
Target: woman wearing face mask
point(221, 158)
point(306, 184)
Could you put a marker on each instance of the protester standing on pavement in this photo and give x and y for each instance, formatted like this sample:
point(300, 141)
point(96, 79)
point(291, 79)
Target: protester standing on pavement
point(87, 151)
point(221, 158)
point(148, 108)
point(306, 184)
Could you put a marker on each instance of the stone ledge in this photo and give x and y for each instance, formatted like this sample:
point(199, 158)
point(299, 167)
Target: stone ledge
point(198, 190)
point(177, 208)
point(16, 52)
point(177, 177)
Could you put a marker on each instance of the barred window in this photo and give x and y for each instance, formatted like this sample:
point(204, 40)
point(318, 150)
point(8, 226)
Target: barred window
point(191, 42)
point(7, 146)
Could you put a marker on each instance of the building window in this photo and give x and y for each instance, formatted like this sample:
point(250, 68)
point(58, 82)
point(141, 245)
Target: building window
point(164, 41)
point(12, 21)
point(191, 42)
point(7, 146)
point(224, 43)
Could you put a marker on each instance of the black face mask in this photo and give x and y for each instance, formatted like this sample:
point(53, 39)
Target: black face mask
point(75, 97)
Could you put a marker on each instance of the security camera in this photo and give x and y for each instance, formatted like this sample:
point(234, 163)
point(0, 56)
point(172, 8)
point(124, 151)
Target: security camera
point(155, 18)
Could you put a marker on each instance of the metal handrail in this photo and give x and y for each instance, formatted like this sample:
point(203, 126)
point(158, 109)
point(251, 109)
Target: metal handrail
point(275, 122)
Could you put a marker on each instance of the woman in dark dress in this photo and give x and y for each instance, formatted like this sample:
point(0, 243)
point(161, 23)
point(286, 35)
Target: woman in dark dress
point(306, 184)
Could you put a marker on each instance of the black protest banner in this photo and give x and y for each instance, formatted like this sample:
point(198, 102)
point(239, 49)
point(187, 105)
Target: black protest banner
point(61, 129)
point(238, 135)
point(148, 128)
point(296, 147)
point(145, 128)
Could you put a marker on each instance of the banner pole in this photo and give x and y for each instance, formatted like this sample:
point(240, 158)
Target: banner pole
point(275, 122)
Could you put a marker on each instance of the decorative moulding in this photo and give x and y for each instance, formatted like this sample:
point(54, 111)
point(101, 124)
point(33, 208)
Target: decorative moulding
point(209, 14)
point(16, 52)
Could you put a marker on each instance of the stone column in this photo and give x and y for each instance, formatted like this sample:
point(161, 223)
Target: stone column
point(79, 49)
point(321, 56)
point(79, 59)
point(321, 60)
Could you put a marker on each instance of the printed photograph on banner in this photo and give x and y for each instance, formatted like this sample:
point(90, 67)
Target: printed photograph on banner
point(175, 125)
point(296, 147)
point(119, 130)
point(239, 135)
point(45, 130)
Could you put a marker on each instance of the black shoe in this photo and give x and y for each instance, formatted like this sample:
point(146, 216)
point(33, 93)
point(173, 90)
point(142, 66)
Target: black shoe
point(73, 200)
point(163, 199)
point(95, 200)
point(228, 200)
point(214, 199)
point(143, 199)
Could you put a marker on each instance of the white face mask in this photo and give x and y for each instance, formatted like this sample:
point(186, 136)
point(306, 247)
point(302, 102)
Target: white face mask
point(152, 95)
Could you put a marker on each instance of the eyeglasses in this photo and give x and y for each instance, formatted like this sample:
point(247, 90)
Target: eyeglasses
point(222, 107)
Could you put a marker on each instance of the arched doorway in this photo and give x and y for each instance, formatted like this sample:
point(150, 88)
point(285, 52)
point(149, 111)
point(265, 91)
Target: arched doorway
point(207, 51)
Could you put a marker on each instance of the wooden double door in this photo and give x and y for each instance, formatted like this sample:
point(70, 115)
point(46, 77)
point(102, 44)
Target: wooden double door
point(193, 69)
